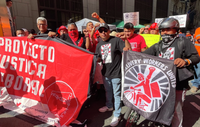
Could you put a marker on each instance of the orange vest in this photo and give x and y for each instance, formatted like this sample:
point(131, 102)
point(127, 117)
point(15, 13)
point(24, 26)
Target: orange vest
point(197, 46)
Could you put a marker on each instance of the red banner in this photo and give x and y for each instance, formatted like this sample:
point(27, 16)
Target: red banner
point(46, 79)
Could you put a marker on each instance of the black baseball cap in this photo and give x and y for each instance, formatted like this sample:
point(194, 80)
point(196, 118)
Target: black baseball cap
point(104, 25)
point(8, 0)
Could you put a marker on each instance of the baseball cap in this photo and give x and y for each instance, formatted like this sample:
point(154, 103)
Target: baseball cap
point(154, 26)
point(104, 25)
point(8, 0)
point(62, 28)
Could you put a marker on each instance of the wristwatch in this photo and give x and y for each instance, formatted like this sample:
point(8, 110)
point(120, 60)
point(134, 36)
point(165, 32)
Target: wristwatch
point(186, 62)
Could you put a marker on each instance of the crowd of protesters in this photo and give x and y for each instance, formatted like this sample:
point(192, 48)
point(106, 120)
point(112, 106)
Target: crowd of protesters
point(98, 37)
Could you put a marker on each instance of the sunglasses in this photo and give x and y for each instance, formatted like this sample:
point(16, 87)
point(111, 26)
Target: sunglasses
point(146, 28)
point(101, 30)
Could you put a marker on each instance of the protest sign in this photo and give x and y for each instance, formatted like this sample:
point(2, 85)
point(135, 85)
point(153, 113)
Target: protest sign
point(132, 17)
point(181, 18)
point(150, 39)
point(158, 20)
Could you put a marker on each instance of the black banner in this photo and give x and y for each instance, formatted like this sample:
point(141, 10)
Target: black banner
point(149, 84)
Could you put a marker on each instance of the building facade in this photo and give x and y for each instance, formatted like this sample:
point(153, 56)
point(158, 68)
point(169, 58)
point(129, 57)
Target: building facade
point(58, 12)
point(194, 14)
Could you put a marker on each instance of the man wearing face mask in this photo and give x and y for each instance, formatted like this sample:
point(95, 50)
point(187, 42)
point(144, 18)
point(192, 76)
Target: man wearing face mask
point(74, 37)
point(168, 48)
point(20, 33)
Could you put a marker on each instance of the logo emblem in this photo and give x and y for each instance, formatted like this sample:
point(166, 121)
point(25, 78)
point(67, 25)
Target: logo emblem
point(169, 54)
point(127, 16)
point(146, 87)
point(61, 100)
point(106, 53)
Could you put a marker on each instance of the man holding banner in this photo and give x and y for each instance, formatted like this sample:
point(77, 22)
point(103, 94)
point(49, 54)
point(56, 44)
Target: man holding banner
point(183, 53)
point(42, 26)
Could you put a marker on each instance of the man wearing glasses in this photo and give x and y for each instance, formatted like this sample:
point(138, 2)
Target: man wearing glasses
point(42, 26)
point(109, 51)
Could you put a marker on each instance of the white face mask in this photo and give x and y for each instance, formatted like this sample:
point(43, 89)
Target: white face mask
point(20, 35)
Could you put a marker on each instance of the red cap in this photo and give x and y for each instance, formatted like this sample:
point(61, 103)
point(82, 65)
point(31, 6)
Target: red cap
point(62, 28)
point(154, 26)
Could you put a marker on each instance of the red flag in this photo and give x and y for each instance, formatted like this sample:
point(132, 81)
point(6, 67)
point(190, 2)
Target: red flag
point(45, 78)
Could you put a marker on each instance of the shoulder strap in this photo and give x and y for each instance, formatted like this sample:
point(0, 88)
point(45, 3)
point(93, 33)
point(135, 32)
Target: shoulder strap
point(181, 46)
point(158, 48)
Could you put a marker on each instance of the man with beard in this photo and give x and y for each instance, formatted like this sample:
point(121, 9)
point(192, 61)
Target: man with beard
point(182, 52)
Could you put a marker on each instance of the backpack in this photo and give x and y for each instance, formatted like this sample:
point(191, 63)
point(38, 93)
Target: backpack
point(181, 48)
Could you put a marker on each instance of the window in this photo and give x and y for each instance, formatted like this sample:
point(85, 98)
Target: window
point(58, 12)
point(180, 10)
point(144, 7)
point(110, 10)
point(46, 3)
point(63, 4)
point(162, 8)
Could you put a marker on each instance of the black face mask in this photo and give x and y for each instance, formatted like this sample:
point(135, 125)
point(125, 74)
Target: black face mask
point(167, 37)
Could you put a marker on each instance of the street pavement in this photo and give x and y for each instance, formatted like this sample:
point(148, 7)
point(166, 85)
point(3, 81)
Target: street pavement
point(191, 110)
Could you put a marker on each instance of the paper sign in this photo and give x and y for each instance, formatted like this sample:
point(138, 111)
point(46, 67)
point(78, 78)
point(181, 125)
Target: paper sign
point(132, 17)
point(158, 20)
point(181, 18)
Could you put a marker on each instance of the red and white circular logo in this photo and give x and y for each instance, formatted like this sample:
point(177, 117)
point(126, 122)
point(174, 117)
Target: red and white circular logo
point(146, 87)
point(61, 101)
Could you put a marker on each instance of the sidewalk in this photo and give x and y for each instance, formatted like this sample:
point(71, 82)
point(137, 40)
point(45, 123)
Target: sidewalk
point(12, 119)
point(96, 119)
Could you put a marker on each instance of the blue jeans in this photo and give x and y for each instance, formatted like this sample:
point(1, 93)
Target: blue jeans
point(113, 86)
point(196, 81)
